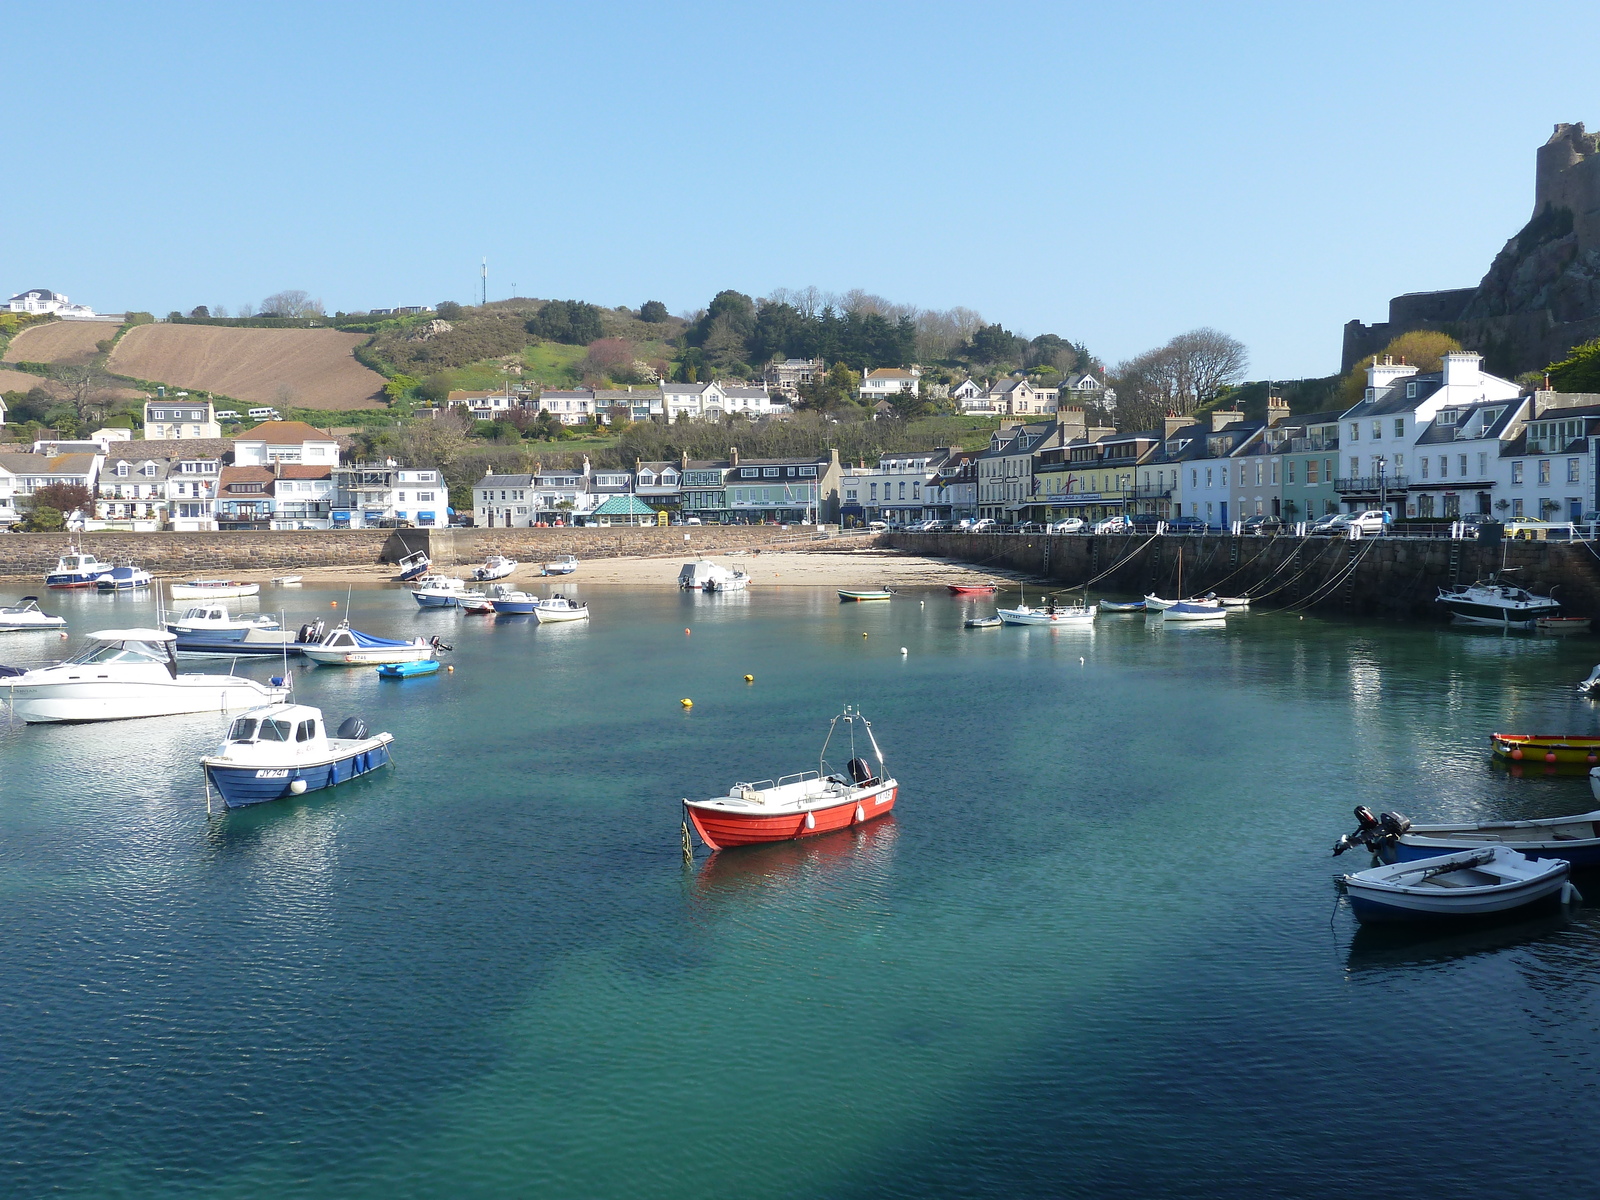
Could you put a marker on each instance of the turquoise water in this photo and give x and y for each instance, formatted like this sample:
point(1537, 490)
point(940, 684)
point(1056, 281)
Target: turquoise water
point(1090, 954)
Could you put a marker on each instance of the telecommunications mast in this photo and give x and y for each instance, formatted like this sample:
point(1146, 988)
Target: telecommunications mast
point(484, 275)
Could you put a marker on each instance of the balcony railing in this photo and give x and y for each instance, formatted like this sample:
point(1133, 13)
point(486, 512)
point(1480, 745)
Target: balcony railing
point(1304, 445)
point(1371, 483)
point(1153, 491)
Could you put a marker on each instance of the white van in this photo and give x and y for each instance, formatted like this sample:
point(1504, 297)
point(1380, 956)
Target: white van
point(264, 414)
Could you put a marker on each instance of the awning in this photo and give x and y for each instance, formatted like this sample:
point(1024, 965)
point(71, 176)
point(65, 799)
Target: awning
point(623, 506)
point(428, 516)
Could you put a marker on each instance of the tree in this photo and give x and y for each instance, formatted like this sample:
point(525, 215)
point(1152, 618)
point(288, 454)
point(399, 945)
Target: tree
point(1421, 348)
point(1579, 371)
point(653, 311)
point(570, 322)
point(994, 344)
point(199, 313)
point(292, 303)
point(90, 390)
point(1190, 371)
point(63, 497)
point(610, 357)
point(835, 390)
point(44, 519)
point(447, 310)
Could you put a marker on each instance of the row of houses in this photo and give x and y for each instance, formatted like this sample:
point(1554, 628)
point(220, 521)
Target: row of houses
point(1424, 445)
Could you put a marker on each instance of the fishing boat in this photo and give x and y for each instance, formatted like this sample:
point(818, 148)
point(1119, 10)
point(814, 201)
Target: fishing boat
point(693, 576)
point(286, 580)
point(1495, 602)
point(1183, 611)
point(565, 565)
point(1469, 883)
point(1113, 606)
point(805, 804)
point(1562, 624)
point(559, 608)
point(439, 591)
point(973, 589)
point(1567, 750)
point(406, 670)
point(475, 602)
point(1393, 838)
point(496, 566)
point(509, 601)
point(26, 615)
point(126, 578)
point(346, 647)
point(76, 569)
point(125, 673)
point(983, 622)
point(284, 750)
point(216, 623)
point(1051, 614)
point(865, 593)
point(733, 580)
point(414, 566)
point(211, 589)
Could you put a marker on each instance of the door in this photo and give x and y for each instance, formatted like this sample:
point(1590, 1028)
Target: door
point(1224, 514)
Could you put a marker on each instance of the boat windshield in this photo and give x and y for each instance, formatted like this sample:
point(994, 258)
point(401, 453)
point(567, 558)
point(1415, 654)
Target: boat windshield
point(249, 729)
point(110, 652)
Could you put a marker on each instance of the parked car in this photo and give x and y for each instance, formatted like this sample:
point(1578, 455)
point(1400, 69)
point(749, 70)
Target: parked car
point(1332, 525)
point(1186, 525)
point(1372, 521)
point(1069, 525)
point(1529, 529)
point(1116, 524)
point(1145, 522)
point(1261, 525)
point(984, 525)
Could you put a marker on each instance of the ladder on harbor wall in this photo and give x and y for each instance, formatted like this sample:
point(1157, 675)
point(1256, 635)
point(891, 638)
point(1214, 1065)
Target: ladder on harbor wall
point(1348, 596)
point(1455, 562)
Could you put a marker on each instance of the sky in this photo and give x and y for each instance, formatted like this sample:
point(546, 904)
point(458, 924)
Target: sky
point(1115, 174)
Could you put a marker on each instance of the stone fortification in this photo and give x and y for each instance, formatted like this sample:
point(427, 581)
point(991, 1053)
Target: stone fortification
point(1387, 576)
point(1541, 295)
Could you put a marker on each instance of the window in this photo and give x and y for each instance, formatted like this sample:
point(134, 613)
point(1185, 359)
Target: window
point(1425, 505)
point(1311, 472)
point(1194, 476)
point(1461, 465)
point(122, 469)
point(1447, 416)
point(1573, 470)
point(1516, 473)
point(770, 472)
point(1399, 464)
point(1355, 465)
point(1288, 471)
point(902, 489)
point(1452, 506)
point(424, 497)
point(1208, 476)
point(1355, 431)
point(874, 488)
point(1444, 466)
point(1516, 505)
point(1483, 464)
point(1544, 470)
point(1424, 461)
point(1411, 391)
point(1258, 474)
point(1377, 430)
point(916, 491)
point(850, 493)
point(808, 472)
point(1399, 427)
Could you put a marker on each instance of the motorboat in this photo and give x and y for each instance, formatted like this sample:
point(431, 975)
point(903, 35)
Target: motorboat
point(1234, 602)
point(414, 566)
point(408, 669)
point(212, 589)
point(1114, 606)
point(560, 608)
point(1184, 611)
point(973, 589)
point(734, 580)
point(496, 566)
point(1393, 838)
point(287, 580)
point(217, 624)
point(512, 602)
point(1494, 602)
point(805, 804)
point(439, 591)
point(126, 578)
point(565, 565)
point(1552, 749)
point(284, 750)
point(475, 601)
point(26, 615)
point(346, 647)
point(77, 570)
point(256, 643)
point(1469, 883)
point(125, 673)
point(865, 593)
point(1050, 614)
point(983, 622)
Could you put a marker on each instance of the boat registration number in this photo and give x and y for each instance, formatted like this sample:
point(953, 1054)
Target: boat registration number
point(284, 774)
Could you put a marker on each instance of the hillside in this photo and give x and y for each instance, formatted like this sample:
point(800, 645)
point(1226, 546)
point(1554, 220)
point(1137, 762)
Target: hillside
point(69, 342)
point(303, 368)
point(21, 381)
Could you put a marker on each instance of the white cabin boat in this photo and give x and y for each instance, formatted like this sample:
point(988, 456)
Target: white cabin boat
point(496, 566)
point(565, 565)
point(217, 623)
point(284, 750)
point(346, 647)
point(212, 589)
point(126, 578)
point(559, 608)
point(734, 580)
point(26, 615)
point(439, 591)
point(126, 673)
point(1056, 614)
point(1491, 602)
point(77, 569)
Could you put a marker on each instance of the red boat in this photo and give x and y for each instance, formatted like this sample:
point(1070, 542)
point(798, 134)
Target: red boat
point(973, 589)
point(805, 804)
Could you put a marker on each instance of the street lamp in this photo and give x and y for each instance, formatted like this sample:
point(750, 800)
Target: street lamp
point(1383, 482)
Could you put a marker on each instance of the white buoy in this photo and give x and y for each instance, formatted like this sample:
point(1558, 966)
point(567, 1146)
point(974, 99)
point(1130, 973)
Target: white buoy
point(811, 821)
point(903, 650)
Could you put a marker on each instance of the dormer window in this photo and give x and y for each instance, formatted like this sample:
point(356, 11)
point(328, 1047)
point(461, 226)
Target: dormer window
point(1411, 391)
point(122, 469)
point(1448, 416)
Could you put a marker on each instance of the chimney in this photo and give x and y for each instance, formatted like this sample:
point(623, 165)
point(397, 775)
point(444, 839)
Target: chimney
point(1277, 408)
point(733, 455)
point(1222, 418)
point(683, 461)
point(1172, 423)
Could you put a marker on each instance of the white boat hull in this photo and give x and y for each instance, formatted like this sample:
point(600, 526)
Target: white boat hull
point(1470, 883)
point(18, 625)
point(189, 591)
point(1178, 618)
point(368, 656)
point(112, 700)
point(1063, 616)
point(547, 615)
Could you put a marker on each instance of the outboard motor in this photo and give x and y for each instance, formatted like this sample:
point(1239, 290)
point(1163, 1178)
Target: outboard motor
point(352, 729)
point(1394, 824)
point(311, 633)
point(861, 772)
point(439, 645)
point(1377, 834)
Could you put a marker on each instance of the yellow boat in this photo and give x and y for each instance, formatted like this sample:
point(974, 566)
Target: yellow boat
point(1548, 748)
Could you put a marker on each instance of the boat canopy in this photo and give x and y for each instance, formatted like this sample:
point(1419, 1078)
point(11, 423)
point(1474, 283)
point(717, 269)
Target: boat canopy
point(132, 635)
point(367, 641)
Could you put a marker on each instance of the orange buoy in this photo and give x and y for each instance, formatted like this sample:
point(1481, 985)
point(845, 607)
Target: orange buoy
point(1549, 756)
point(686, 633)
point(1516, 752)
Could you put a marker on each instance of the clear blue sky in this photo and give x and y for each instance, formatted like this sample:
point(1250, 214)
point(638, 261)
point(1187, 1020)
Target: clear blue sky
point(1112, 173)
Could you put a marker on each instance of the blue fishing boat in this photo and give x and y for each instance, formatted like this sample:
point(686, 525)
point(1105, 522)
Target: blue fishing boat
point(414, 566)
point(507, 600)
point(284, 750)
point(125, 578)
point(408, 669)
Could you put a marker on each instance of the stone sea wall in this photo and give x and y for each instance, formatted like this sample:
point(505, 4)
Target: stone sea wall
point(1386, 576)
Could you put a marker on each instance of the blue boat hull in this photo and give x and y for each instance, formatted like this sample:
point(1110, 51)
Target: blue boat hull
point(1582, 853)
point(434, 601)
point(406, 670)
point(244, 786)
point(523, 607)
point(209, 636)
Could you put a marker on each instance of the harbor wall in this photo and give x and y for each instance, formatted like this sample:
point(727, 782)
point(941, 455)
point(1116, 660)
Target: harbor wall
point(33, 555)
point(1383, 576)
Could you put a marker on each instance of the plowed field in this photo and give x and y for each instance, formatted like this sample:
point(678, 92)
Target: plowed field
point(306, 368)
point(59, 341)
point(21, 381)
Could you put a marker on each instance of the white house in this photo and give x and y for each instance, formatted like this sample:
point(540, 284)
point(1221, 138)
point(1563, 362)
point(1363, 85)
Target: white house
point(897, 488)
point(132, 489)
point(692, 401)
point(883, 382)
point(180, 416)
point(576, 407)
point(421, 497)
point(192, 490)
point(302, 496)
point(1019, 397)
point(753, 401)
point(285, 442)
point(503, 501)
point(39, 302)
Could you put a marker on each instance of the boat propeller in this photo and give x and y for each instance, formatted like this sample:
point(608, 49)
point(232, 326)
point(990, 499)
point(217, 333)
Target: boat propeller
point(441, 645)
point(1373, 832)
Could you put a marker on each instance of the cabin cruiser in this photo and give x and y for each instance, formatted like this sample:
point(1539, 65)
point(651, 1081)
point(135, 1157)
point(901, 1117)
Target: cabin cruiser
point(496, 566)
point(216, 623)
point(126, 578)
point(124, 673)
point(76, 570)
point(734, 580)
point(565, 565)
point(414, 566)
point(284, 750)
point(1493, 602)
point(25, 615)
point(1050, 614)
point(559, 608)
point(439, 591)
point(510, 602)
point(346, 647)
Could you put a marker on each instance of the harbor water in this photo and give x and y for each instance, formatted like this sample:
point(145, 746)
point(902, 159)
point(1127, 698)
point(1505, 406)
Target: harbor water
point(1094, 952)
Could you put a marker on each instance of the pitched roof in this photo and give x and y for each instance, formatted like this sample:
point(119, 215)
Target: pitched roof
point(505, 481)
point(890, 373)
point(231, 475)
point(23, 462)
point(180, 448)
point(284, 433)
point(304, 471)
point(71, 464)
point(624, 506)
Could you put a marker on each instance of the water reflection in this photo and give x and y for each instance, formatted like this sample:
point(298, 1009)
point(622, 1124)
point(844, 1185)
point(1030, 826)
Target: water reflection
point(730, 878)
point(1381, 947)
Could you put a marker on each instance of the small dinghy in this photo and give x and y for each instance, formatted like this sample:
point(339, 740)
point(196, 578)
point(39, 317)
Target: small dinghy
point(1051, 614)
point(284, 750)
point(1394, 839)
point(1591, 686)
point(1562, 624)
point(865, 593)
point(212, 589)
point(1553, 749)
point(496, 566)
point(408, 669)
point(565, 565)
point(414, 566)
point(25, 615)
point(1470, 883)
point(1112, 606)
point(559, 608)
point(286, 580)
point(973, 589)
point(984, 622)
point(475, 602)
